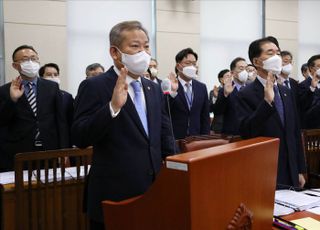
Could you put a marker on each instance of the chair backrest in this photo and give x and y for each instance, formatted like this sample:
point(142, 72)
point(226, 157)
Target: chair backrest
point(311, 143)
point(49, 195)
point(193, 143)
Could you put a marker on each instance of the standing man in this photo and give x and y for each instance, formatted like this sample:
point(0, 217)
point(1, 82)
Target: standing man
point(32, 111)
point(51, 72)
point(153, 67)
point(190, 107)
point(266, 108)
point(94, 69)
point(121, 115)
point(227, 97)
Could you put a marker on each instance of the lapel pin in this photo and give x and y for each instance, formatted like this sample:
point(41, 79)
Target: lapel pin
point(285, 94)
point(148, 87)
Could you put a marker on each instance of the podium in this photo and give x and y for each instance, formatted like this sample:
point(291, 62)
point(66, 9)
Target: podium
point(225, 187)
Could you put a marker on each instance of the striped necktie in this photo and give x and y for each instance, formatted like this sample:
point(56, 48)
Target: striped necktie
point(31, 97)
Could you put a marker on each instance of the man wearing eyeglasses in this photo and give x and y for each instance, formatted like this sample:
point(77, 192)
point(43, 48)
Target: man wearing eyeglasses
point(31, 110)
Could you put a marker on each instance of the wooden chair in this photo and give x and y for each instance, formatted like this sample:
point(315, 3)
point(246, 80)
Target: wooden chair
point(49, 195)
point(311, 142)
point(193, 143)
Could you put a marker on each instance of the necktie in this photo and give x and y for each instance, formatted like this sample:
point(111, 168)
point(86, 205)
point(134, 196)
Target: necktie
point(278, 103)
point(31, 97)
point(286, 82)
point(136, 85)
point(189, 95)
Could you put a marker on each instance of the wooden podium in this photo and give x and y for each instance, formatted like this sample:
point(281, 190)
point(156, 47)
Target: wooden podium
point(226, 187)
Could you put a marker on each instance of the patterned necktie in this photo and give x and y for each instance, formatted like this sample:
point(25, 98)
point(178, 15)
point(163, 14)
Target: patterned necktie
point(189, 95)
point(136, 85)
point(278, 103)
point(31, 97)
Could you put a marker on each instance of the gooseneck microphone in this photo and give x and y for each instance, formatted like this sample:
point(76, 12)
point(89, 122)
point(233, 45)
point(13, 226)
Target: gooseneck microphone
point(166, 89)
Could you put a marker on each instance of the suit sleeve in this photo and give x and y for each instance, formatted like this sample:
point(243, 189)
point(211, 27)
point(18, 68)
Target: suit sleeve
point(221, 103)
point(251, 118)
point(205, 117)
point(7, 107)
point(61, 121)
point(92, 116)
point(168, 144)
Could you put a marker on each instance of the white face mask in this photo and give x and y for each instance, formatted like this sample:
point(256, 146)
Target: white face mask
point(190, 71)
point(154, 72)
point(318, 72)
point(273, 64)
point(136, 63)
point(54, 79)
point(30, 68)
point(243, 76)
point(286, 69)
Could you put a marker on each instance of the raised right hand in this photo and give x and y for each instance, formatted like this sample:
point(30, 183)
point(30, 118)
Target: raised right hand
point(228, 87)
point(120, 91)
point(16, 89)
point(314, 81)
point(268, 89)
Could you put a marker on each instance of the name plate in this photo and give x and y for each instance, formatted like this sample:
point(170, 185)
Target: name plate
point(177, 166)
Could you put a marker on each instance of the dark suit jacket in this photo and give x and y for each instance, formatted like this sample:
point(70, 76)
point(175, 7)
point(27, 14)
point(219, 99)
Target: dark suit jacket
point(312, 114)
point(67, 104)
point(125, 160)
point(258, 118)
point(187, 122)
point(21, 124)
point(226, 107)
point(217, 122)
point(305, 101)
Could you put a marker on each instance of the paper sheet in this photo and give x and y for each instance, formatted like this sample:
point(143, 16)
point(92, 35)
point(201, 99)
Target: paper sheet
point(308, 223)
point(314, 210)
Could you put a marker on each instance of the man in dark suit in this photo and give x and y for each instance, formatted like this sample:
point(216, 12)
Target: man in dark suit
point(32, 110)
point(217, 122)
point(266, 108)
point(153, 68)
point(51, 72)
point(190, 107)
point(227, 97)
point(121, 115)
point(307, 93)
point(312, 114)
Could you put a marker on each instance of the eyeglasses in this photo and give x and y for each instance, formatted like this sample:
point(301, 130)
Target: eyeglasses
point(34, 59)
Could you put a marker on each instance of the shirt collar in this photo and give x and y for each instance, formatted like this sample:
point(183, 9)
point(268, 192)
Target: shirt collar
point(128, 78)
point(183, 82)
point(264, 81)
point(237, 85)
point(34, 81)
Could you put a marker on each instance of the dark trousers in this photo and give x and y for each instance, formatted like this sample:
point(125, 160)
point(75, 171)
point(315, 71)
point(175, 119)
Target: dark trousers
point(94, 225)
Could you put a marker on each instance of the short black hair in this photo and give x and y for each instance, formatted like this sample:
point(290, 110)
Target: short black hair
point(251, 65)
point(22, 48)
point(222, 72)
point(255, 46)
point(43, 68)
point(93, 66)
point(184, 53)
point(286, 53)
point(235, 61)
point(312, 60)
point(304, 67)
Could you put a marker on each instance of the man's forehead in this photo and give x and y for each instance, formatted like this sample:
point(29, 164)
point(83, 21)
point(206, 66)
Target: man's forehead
point(135, 35)
point(26, 52)
point(189, 57)
point(269, 46)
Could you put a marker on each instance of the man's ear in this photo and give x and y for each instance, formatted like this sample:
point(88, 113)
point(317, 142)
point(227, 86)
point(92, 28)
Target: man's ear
point(16, 66)
point(255, 61)
point(114, 53)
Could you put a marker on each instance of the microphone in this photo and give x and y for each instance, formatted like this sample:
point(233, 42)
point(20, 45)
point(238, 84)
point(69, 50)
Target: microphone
point(166, 89)
point(166, 86)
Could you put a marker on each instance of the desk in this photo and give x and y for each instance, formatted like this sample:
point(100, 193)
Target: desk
point(299, 215)
point(63, 206)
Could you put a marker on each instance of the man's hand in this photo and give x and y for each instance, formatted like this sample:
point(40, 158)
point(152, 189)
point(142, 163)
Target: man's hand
point(302, 180)
point(174, 82)
point(215, 91)
point(228, 87)
point(268, 89)
point(16, 89)
point(120, 91)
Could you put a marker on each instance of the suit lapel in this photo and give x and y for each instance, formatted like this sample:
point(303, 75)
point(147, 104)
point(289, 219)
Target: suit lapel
point(284, 93)
point(149, 94)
